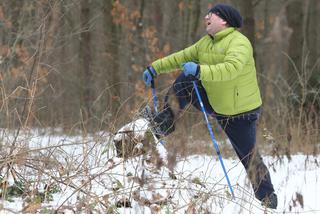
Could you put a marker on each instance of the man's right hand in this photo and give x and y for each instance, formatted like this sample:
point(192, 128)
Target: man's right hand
point(148, 75)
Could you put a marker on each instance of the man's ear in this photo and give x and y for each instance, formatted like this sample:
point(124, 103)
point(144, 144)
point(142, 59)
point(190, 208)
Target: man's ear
point(224, 22)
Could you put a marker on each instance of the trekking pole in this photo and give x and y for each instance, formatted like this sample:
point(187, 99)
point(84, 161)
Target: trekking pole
point(212, 137)
point(154, 95)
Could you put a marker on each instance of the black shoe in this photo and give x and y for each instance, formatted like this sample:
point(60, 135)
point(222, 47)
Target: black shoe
point(270, 201)
point(162, 123)
point(149, 115)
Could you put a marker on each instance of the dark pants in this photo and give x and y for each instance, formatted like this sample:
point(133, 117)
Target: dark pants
point(240, 129)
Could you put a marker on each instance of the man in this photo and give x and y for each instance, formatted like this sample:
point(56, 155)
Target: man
point(223, 66)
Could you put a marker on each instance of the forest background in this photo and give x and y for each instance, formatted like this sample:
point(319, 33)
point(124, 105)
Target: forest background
point(77, 65)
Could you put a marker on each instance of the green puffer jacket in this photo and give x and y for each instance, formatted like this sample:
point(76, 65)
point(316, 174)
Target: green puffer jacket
point(227, 70)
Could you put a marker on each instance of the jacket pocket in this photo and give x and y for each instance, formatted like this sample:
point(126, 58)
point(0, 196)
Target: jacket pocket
point(246, 96)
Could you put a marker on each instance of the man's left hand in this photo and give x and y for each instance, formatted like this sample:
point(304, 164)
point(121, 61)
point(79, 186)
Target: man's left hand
point(191, 68)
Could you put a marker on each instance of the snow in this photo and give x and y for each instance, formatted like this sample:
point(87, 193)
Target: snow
point(138, 126)
point(197, 183)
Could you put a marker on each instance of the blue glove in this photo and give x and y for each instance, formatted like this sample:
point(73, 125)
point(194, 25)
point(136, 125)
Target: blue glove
point(191, 68)
point(148, 75)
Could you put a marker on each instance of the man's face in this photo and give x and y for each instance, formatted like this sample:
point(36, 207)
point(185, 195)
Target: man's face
point(214, 23)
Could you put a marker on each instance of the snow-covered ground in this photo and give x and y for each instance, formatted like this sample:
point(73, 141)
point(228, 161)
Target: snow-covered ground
point(92, 178)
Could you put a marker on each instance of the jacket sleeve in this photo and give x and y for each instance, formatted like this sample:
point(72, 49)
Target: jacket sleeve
point(237, 56)
point(174, 61)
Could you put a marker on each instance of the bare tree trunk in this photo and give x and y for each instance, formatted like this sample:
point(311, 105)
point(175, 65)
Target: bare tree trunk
point(85, 58)
point(295, 16)
point(275, 63)
point(195, 17)
point(112, 59)
point(16, 8)
point(247, 11)
point(312, 32)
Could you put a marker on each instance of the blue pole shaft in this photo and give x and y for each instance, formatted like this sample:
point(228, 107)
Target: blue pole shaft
point(213, 138)
point(154, 95)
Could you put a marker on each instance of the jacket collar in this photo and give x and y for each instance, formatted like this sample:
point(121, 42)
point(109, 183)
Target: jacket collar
point(223, 33)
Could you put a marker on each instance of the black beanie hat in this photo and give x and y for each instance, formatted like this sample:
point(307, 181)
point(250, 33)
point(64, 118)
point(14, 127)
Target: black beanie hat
point(228, 13)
